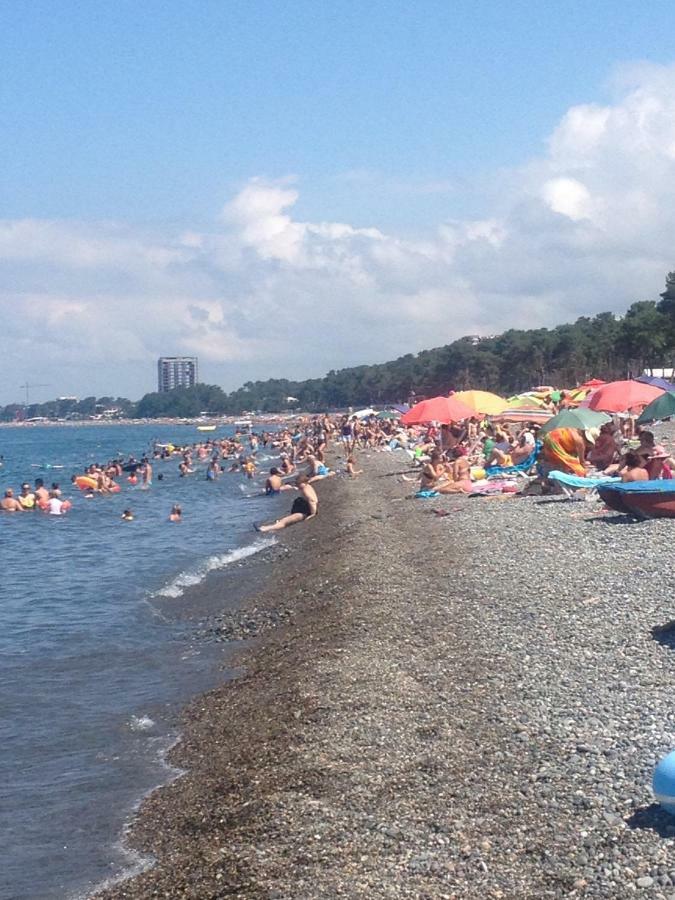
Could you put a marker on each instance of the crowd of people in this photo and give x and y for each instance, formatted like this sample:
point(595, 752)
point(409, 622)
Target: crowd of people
point(453, 458)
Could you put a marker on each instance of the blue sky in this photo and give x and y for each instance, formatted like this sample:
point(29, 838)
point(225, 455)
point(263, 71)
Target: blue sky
point(156, 110)
point(150, 119)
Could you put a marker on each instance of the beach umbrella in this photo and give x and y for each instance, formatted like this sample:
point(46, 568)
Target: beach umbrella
point(660, 408)
point(591, 384)
point(481, 402)
point(388, 415)
point(401, 407)
point(536, 416)
point(576, 418)
point(623, 396)
point(439, 409)
point(656, 382)
point(576, 395)
point(525, 401)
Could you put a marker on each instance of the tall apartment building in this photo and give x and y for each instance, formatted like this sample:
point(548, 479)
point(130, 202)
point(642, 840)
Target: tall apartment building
point(176, 371)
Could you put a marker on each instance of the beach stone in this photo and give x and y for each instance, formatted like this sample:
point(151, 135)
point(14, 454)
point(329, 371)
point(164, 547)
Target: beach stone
point(415, 649)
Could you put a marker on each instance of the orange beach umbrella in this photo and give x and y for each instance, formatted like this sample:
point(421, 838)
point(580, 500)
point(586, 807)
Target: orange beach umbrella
point(439, 409)
point(482, 402)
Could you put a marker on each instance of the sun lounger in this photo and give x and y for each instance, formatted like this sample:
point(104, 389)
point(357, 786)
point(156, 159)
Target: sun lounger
point(572, 483)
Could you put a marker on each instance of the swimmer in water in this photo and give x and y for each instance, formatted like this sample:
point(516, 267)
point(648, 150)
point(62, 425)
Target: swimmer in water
point(127, 516)
point(176, 513)
point(9, 503)
point(27, 498)
point(56, 506)
point(146, 473)
point(41, 492)
point(274, 484)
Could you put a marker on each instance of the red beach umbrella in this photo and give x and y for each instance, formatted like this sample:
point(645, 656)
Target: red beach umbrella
point(623, 396)
point(439, 409)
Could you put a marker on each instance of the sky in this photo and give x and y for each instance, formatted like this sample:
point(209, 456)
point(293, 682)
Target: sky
point(287, 188)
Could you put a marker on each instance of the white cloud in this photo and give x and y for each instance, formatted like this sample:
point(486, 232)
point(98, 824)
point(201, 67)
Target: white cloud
point(568, 197)
point(586, 227)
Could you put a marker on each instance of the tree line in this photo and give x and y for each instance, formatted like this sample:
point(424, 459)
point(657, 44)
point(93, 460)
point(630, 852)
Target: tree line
point(603, 346)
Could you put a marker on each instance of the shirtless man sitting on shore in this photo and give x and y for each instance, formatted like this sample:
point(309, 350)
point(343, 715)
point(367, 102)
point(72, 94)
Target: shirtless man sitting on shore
point(306, 506)
point(9, 503)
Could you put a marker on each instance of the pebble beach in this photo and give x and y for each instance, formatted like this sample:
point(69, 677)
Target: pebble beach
point(445, 698)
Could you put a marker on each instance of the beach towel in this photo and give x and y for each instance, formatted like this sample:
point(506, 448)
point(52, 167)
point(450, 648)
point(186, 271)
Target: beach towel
point(576, 482)
point(425, 495)
point(560, 451)
point(521, 469)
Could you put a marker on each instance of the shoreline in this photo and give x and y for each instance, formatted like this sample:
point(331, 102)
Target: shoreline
point(223, 422)
point(460, 706)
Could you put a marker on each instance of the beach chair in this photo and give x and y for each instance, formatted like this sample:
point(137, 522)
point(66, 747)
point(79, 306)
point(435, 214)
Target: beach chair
point(570, 484)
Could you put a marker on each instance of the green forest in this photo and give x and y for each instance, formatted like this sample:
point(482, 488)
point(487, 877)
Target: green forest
point(603, 346)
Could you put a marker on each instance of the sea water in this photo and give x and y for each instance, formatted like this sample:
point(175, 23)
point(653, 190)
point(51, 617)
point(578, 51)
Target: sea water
point(96, 652)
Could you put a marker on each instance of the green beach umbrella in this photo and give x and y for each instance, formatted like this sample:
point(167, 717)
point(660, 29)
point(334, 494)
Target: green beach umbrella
point(576, 418)
point(388, 415)
point(660, 408)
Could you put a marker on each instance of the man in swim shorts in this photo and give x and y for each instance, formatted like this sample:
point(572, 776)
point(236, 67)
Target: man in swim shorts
point(306, 506)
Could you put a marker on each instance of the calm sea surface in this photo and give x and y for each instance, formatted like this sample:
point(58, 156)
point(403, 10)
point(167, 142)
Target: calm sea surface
point(95, 651)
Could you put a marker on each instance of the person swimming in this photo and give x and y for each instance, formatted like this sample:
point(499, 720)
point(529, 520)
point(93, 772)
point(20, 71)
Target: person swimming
point(27, 498)
point(176, 513)
point(127, 516)
point(274, 484)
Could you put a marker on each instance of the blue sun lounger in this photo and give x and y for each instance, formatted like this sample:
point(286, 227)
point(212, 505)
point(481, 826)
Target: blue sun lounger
point(571, 483)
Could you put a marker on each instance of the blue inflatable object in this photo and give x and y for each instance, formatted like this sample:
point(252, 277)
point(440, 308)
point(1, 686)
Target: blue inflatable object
point(663, 783)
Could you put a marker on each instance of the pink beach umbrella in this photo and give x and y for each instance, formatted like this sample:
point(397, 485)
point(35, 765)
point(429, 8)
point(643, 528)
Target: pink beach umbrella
point(623, 396)
point(439, 409)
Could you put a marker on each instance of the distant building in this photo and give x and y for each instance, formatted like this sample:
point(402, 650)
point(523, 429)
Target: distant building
point(176, 371)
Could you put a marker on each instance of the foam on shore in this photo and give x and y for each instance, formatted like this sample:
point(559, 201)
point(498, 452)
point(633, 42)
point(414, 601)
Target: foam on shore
point(192, 577)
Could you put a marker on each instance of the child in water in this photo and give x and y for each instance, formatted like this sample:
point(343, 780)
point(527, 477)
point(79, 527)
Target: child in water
point(176, 513)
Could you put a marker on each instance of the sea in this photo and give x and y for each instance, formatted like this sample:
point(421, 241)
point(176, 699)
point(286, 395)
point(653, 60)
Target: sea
point(99, 644)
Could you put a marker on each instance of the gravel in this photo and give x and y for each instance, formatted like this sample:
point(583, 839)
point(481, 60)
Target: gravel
point(462, 706)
